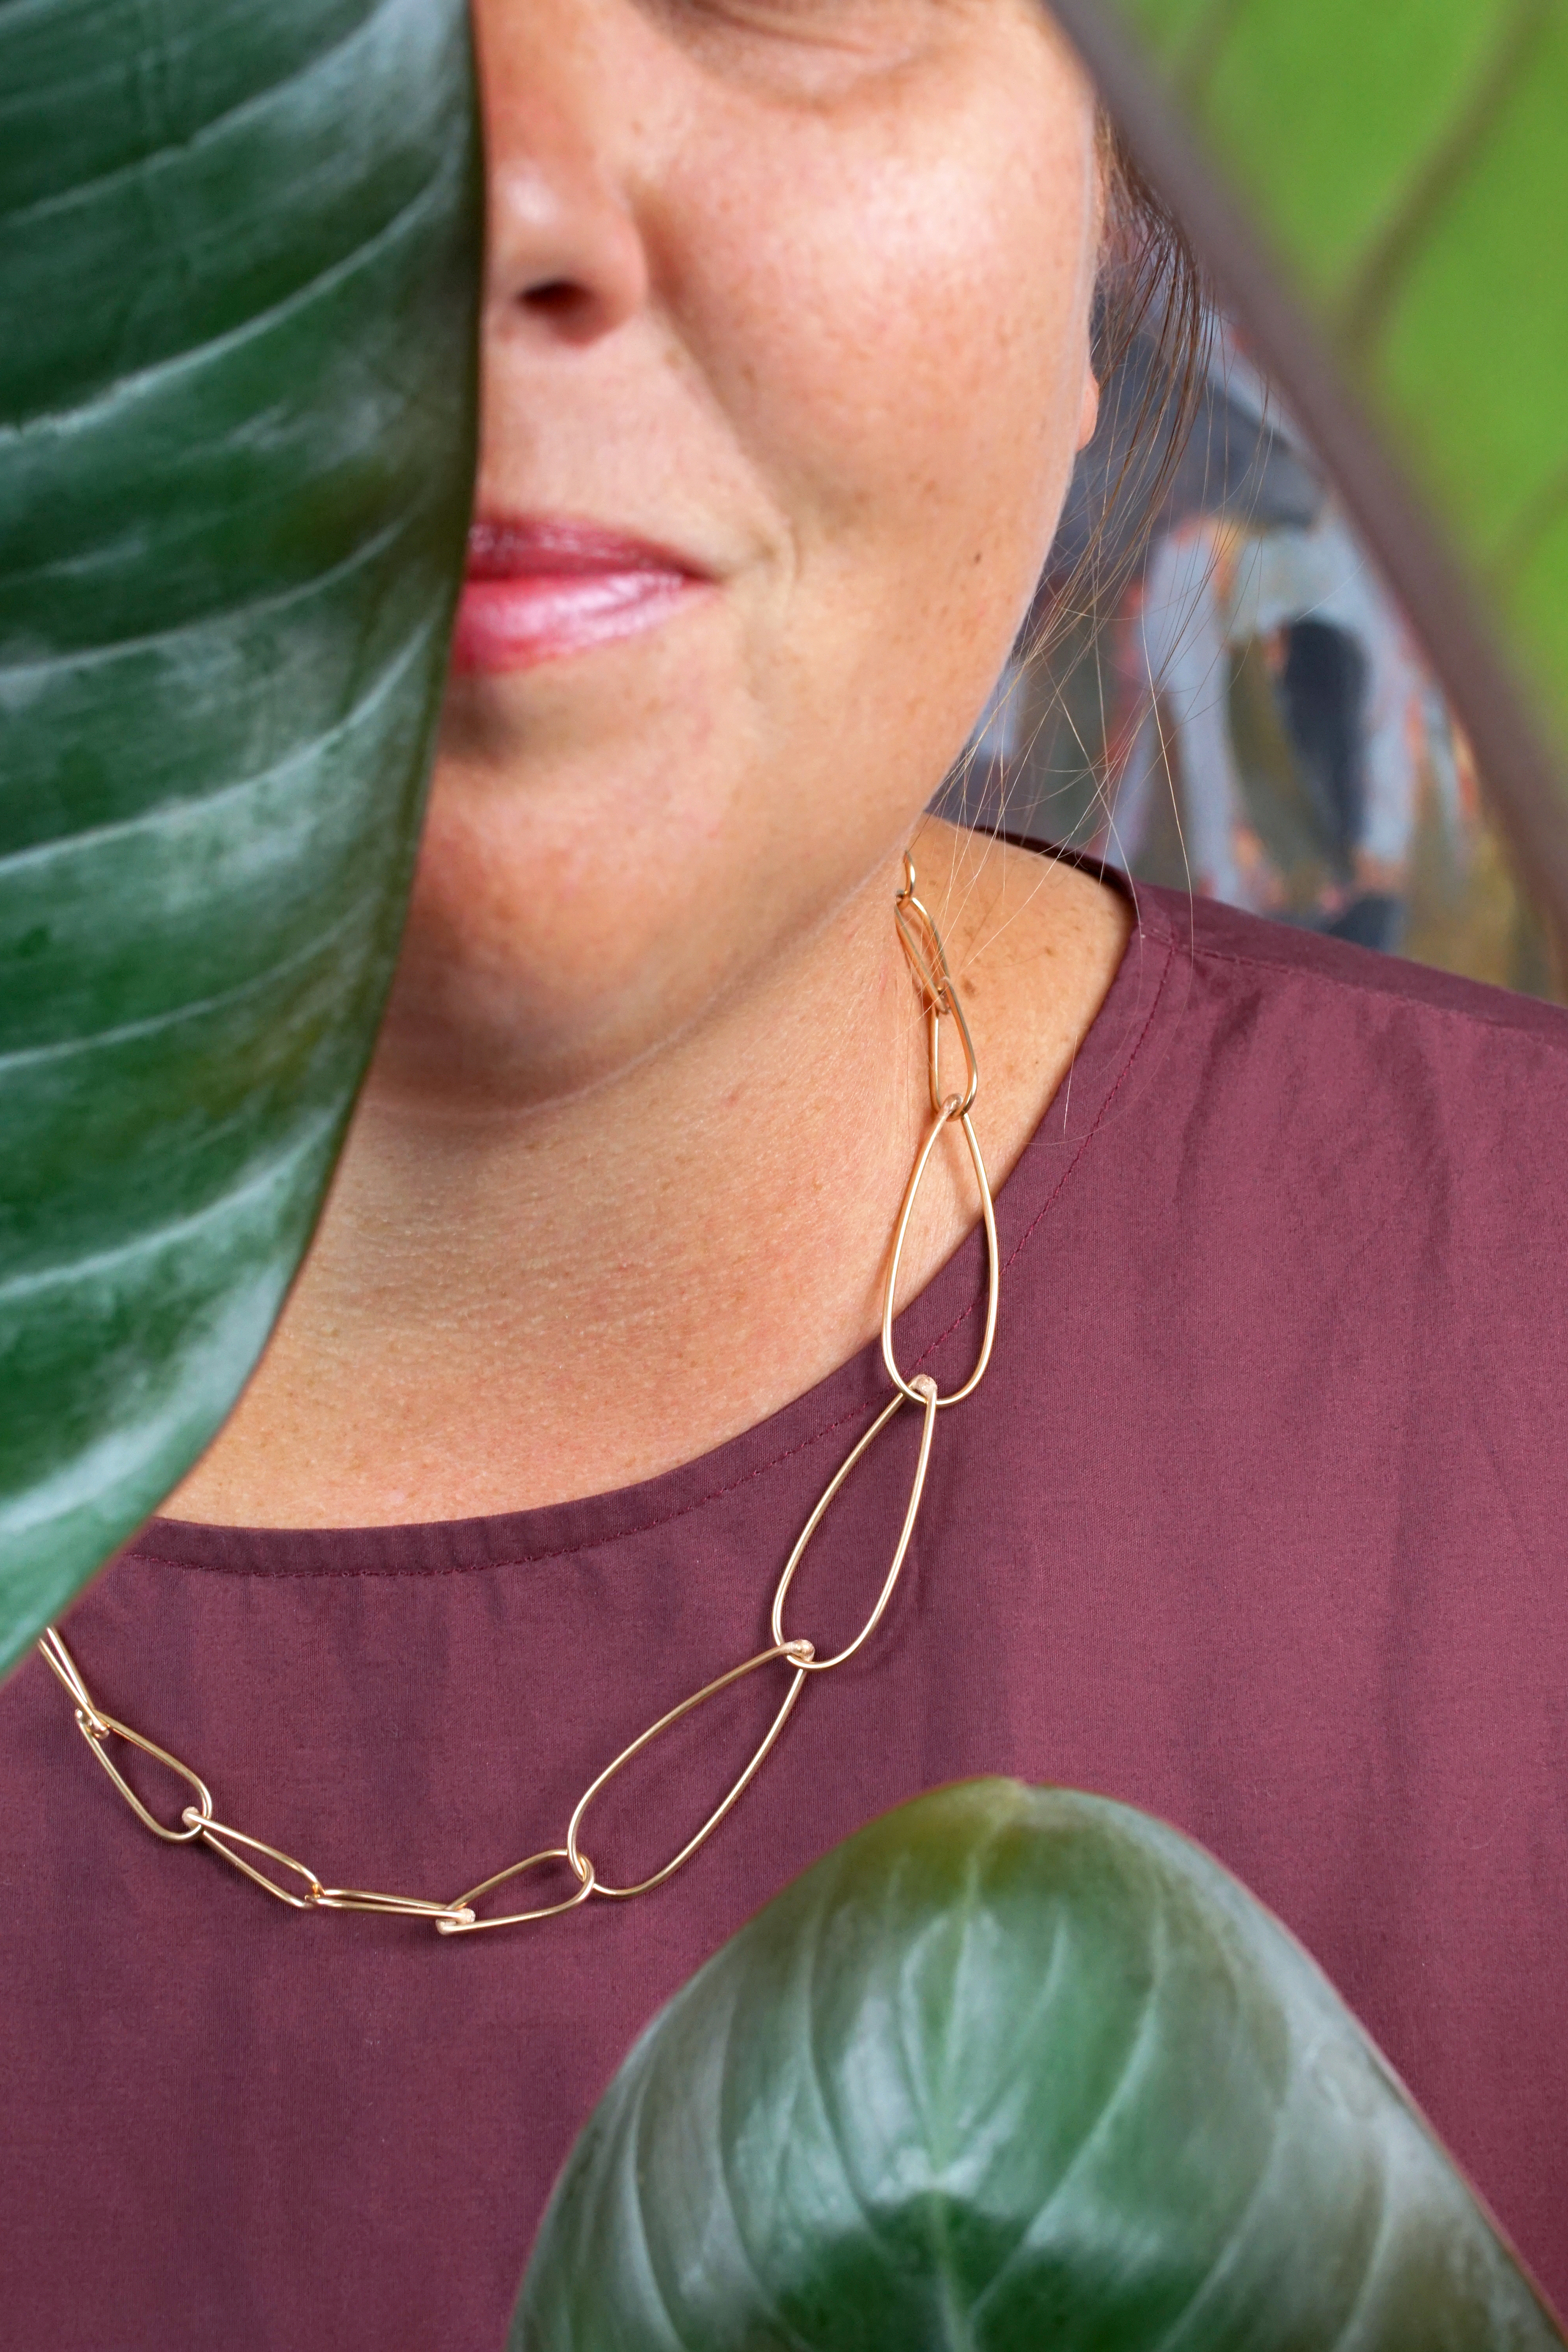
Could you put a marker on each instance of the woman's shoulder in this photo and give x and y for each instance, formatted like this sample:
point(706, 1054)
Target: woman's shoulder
point(1346, 981)
point(1344, 1106)
point(1346, 1030)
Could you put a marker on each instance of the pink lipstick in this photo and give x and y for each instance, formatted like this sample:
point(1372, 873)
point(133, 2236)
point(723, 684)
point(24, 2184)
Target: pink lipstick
point(539, 589)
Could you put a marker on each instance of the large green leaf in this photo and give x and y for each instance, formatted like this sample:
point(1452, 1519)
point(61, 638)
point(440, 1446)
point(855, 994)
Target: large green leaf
point(1015, 2071)
point(238, 271)
point(1380, 187)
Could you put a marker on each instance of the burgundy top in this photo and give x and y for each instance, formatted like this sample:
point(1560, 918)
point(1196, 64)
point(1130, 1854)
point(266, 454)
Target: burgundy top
point(1257, 1522)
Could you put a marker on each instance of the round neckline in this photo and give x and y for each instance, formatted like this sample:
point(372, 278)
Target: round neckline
point(1123, 1042)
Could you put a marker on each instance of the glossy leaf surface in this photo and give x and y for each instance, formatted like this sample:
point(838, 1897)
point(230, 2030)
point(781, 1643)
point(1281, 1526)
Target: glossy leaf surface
point(1403, 168)
point(239, 244)
point(1015, 2071)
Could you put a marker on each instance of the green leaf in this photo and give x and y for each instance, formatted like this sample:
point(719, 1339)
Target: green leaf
point(1380, 190)
point(239, 248)
point(1015, 2069)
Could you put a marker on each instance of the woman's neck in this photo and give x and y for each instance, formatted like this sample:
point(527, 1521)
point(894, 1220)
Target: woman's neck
point(506, 1307)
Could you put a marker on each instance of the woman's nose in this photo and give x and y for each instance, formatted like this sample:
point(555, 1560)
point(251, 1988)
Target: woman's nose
point(567, 260)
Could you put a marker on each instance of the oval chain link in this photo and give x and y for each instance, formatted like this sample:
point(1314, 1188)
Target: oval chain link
point(923, 1388)
point(797, 1654)
point(198, 1822)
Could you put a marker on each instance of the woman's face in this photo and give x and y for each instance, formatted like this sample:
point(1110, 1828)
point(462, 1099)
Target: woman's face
point(785, 366)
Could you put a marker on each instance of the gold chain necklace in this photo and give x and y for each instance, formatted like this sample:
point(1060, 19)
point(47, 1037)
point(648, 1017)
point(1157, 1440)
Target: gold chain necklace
point(922, 945)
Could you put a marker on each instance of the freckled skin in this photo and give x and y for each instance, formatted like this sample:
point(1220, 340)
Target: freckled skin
point(800, 289)
point(807, 337)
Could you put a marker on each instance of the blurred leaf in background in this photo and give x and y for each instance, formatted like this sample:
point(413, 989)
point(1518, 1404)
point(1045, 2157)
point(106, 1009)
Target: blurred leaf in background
point(239, 252)
point(1380, 192)
point(1408, 162)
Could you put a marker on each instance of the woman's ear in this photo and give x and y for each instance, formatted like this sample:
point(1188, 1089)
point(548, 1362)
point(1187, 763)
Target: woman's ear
point(1089, 415)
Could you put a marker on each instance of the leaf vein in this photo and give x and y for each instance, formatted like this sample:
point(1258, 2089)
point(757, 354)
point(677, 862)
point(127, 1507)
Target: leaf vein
point(168, 371)
point(255, 102)
point(1365, 308)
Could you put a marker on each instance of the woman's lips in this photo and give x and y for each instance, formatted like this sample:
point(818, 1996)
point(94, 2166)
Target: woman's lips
point(539, 589)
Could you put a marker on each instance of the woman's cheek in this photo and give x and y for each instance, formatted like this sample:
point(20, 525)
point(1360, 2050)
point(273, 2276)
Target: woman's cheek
point(900, 343)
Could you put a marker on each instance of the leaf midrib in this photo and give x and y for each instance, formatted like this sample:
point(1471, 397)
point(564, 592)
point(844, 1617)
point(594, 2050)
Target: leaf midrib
point(1364, 308)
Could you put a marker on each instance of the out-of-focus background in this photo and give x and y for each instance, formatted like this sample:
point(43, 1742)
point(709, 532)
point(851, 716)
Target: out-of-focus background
point(1228, 700)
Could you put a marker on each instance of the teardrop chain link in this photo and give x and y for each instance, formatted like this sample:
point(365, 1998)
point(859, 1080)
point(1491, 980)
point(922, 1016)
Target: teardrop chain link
point(293, 1883)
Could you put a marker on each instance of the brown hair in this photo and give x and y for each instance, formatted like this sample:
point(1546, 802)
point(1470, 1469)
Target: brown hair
point(1150, 294)
point(1149, 281)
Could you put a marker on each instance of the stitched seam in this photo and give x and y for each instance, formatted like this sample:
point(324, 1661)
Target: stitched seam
point(716, 1493)
point(529, 1558)
point(1383, 995)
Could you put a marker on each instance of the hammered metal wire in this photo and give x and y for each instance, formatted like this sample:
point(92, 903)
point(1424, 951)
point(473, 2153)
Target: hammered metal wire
point(213, 1833)
point(928, 962)
point(466, 1922)
point(797, 1654)
point(63, 1666)
point(910, 1389)
point(96, 1729)
point(923, 1388)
